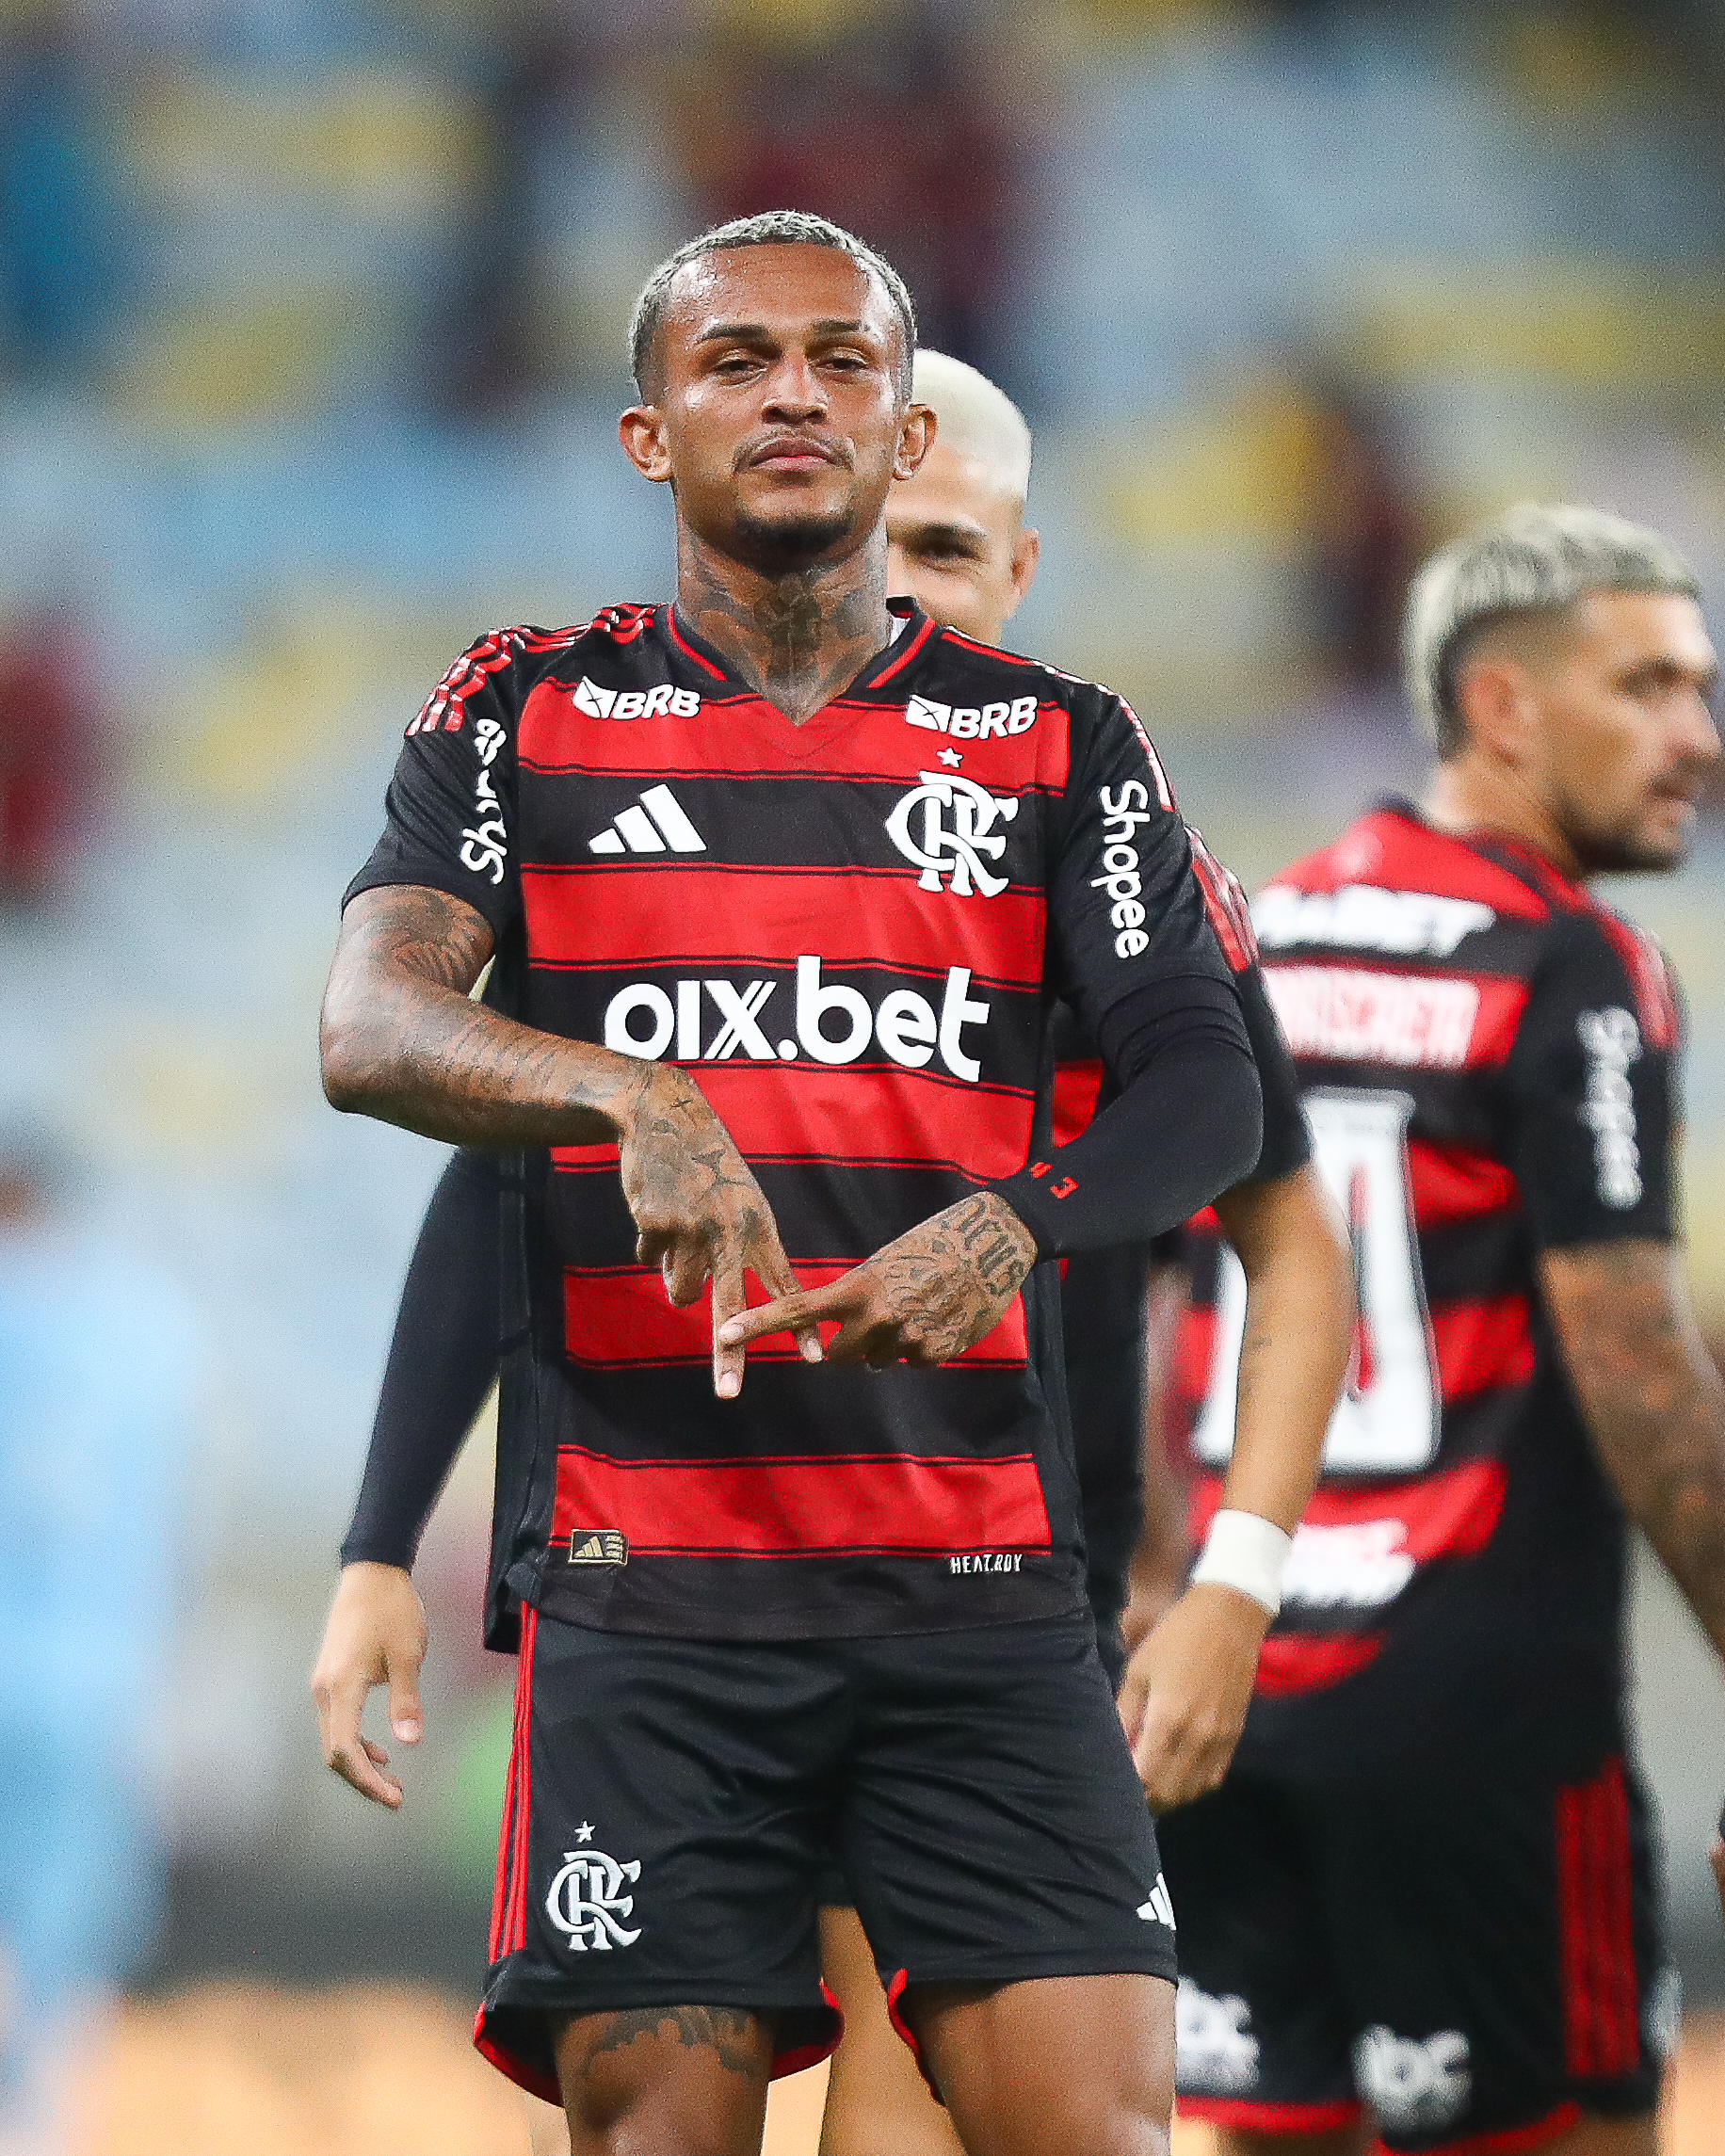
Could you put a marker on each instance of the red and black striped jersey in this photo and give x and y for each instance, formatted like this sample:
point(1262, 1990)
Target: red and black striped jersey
point(1487, 1059)
point(851, 933)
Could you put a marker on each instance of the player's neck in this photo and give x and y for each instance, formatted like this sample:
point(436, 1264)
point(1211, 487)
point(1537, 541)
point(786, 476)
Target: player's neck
point(1471, 798)
point(798, 638)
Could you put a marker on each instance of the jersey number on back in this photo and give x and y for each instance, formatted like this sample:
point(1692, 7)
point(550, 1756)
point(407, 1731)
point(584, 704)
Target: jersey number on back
point(1387, 1418)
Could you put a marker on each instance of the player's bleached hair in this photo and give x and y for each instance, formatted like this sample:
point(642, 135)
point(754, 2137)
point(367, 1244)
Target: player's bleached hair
point(974, 418)
point(771, 227)
point(1536, 559)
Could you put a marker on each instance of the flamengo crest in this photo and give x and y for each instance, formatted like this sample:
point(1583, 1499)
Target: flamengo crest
point(586, 1899)
point(953, 832)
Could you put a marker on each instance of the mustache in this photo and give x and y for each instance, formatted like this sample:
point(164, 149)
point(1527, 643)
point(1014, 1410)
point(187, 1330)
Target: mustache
point(780, 438)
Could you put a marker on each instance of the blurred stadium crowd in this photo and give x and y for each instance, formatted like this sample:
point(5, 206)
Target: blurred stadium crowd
point(311, 325)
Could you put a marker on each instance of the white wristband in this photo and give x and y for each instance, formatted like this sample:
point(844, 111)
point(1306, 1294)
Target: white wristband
point(1244, 1552)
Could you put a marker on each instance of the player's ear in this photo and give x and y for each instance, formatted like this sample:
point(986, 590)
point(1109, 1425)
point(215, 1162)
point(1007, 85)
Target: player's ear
point(1499, 709)
point(915, 440)
point(642, 431)
point(1027, 553)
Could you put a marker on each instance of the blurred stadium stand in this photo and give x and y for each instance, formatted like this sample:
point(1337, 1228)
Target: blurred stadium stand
point(311, 319)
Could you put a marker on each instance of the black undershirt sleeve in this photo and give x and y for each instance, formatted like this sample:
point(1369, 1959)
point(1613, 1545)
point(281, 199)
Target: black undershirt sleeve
point(1189, 1123)
point(442, 1362)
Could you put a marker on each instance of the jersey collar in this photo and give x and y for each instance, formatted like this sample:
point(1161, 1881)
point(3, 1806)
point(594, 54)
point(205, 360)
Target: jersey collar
point(911, 631)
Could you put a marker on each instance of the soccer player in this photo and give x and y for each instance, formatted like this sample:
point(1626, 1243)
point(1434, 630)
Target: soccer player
point(838, 860)
point(959, 545)
point(1423, 1899)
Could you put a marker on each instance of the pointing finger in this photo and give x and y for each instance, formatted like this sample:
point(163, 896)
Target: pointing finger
point(728, 1357)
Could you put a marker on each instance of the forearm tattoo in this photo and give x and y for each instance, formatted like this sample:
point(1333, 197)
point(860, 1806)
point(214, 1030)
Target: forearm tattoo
point(1655, 1404)
point(402, 1041)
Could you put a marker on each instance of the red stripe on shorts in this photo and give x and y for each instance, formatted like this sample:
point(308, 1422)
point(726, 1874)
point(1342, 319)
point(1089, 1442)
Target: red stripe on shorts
point(509, 1884)
point(1252, 2118)
point(1505, 2141)
point(1601, 2018)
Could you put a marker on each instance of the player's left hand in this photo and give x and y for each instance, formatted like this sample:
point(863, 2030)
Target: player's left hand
point(922, 1299)
point(1184, 1698)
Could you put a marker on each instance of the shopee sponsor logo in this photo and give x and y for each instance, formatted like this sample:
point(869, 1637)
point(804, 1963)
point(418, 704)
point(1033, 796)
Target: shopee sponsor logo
point(711, 1021)
point(1123, 809)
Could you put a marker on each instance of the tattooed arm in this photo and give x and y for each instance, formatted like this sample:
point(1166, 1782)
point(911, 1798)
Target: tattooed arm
point(402, 1041)
point(1652, 1400)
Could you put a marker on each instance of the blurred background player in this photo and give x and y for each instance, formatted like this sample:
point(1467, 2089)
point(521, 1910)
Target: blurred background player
point(1424, 1900)
point(959, 545)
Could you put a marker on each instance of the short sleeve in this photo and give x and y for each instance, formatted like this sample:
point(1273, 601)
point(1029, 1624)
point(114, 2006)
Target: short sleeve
point(1592, 1079)
point(1125, 910)
point(449, 813)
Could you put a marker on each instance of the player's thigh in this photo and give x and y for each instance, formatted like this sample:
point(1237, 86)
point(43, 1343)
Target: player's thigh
point(1341, 2141)
point(663, 1824)
point(877, 2102)
point(1499, 1931)
point(1265, 2042)
point(1052, 2067)
point(665, 2081)
point(1006, 1875)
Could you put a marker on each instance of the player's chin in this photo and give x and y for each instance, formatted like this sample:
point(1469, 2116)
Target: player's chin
point(786, 525)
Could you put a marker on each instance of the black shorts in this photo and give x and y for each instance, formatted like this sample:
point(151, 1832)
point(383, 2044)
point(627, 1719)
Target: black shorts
point(1464, 1959)
point(671, 1805)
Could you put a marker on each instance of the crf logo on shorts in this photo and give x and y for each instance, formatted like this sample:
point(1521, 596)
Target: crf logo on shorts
point(586, 1901)
point(1412, 2082)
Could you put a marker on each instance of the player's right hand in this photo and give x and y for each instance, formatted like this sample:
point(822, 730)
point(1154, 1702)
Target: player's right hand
point(698, 1213)
point(376, 1634)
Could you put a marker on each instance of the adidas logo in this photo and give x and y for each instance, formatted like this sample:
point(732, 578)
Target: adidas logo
point(633, 703)
point(597, 1546)
point(1159, 1909)
point(656, 824)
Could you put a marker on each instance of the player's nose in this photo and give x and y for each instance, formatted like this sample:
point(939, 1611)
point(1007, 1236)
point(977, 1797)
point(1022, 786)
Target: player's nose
point(793, 390)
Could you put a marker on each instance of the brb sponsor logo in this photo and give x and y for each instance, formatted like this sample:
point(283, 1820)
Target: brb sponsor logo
point(972, 721)
point(712, 1021)
point(1415, 2082)
point(1611, 1040)
point(945, 827)
point(1123, 808)
point(587, 1902)
point(633, 703)
point(485, 842)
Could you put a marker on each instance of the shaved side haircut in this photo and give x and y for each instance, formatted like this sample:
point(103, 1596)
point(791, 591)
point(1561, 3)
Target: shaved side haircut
point(976, 418)
point(1524, 571)
point(772, 227)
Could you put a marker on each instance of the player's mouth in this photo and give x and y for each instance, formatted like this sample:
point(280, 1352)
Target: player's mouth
point(792, 453)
